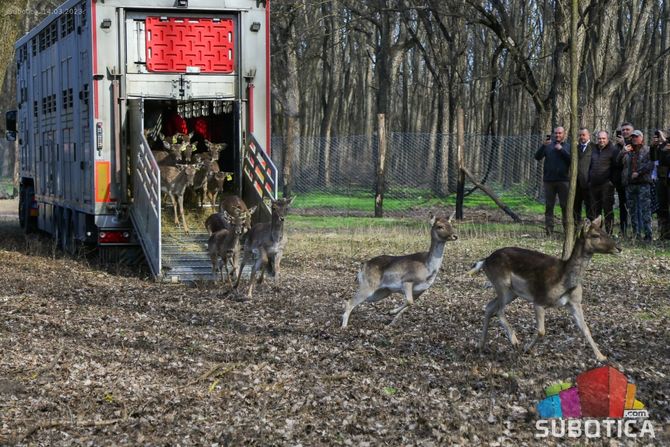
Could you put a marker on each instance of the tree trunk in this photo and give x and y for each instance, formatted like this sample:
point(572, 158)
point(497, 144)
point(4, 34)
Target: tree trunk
point(574, 152)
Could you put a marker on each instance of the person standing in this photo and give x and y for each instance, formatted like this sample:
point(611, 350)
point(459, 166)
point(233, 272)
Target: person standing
point(622, 139)
point(600, 179)
point(659, 152)
point(582, 198)
point(556, 155)
point(636, 178)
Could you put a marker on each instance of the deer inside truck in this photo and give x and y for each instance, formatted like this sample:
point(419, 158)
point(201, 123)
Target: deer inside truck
point(118, 99)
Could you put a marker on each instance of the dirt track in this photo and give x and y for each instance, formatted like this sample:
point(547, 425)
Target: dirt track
point(92, 358)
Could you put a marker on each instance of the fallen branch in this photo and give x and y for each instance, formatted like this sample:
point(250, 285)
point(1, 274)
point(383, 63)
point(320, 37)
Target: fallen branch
point(492, 195)
point(210, 373)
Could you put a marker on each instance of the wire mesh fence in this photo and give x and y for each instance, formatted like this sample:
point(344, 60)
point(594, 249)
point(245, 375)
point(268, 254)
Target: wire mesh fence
point(341, 172)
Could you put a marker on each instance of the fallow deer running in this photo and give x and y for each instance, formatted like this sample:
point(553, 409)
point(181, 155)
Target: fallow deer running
point(265, 245)
point(544, 281)
point(410, 275)
point(225, 244)
point(174, 180)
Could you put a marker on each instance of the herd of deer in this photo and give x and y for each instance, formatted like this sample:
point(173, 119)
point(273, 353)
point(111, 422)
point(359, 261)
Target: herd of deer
point(181, 168)
point(544, 281)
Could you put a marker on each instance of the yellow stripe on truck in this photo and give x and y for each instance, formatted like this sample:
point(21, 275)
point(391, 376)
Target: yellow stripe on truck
point(102, 181)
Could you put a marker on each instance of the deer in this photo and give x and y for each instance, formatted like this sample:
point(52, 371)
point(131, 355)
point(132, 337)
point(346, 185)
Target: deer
point(221, 220)
point(265, 245)
point(225, 244)
point(179, 146)
point(174, 180)
point(215, 184)
point(229, 203)
point(209, 168)
point(544, 281)
point(410, 275)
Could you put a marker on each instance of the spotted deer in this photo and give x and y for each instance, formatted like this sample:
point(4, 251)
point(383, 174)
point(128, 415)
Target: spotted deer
point(544, 281)
point(410, 275)
point(224, 244)
point(174, 180)
point(264, 246)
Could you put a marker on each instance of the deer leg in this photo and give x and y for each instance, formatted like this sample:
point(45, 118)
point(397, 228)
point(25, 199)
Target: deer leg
point(491, 308)
point(539, 318)
point(242, 264)
point(578, 315)
point(258, 264)
point(507, 296)
point(181, 211)
point(361, 295)
point(174, 207)
point(409, 301)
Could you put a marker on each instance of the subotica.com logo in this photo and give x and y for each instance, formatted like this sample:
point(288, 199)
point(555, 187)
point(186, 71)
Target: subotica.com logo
point(600, 404)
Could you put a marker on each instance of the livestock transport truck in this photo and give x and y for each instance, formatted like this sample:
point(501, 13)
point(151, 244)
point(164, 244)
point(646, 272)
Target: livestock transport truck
point(94, 76)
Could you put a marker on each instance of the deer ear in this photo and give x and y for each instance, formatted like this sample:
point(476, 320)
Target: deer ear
point(290, 200)
point(586, 226)
point(598, 222)
point(252, 210)
point(451, 217)
point(432, 219)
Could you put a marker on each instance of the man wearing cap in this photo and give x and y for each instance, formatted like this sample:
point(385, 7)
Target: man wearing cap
point(556, 157)
point(636, 178)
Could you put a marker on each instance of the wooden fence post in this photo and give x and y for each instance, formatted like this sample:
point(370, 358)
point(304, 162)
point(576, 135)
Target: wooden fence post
point(381, 166)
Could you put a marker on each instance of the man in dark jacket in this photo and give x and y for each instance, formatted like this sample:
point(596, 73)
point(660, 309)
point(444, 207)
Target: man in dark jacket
point(636, 177)
point(601, 186)
point(582, 198)
point(556, 156)
point(660, 152)
point(622, 139)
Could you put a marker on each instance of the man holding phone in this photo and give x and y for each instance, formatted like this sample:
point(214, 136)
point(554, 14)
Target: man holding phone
point(636, 178)
point(556, 155)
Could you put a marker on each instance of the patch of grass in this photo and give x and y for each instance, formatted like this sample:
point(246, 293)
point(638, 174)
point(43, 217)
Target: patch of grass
point(409, 198)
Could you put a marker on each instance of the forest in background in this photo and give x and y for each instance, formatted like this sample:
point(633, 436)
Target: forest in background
point(336, 64)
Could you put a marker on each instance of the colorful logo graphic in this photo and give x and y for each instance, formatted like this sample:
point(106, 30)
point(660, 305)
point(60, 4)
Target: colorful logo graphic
point(599, 393)
point(601, 404)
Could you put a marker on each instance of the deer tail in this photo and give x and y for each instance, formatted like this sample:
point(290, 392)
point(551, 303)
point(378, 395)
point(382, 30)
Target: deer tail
point(476, 267)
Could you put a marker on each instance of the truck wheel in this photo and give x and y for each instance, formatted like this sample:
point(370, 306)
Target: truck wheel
point(22, 208)
point(28, 223)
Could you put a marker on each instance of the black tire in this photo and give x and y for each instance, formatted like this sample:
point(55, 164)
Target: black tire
point(22, 209)
point(28, 223)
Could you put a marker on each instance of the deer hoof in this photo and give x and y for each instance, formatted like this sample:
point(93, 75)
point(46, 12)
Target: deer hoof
point(601, 358)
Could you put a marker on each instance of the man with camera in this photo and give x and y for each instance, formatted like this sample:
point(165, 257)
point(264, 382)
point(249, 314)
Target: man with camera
point(601, 179)
point(622, 139)
point(556, 155)
point(636, 178)
point(660, 155)
point(582, 198)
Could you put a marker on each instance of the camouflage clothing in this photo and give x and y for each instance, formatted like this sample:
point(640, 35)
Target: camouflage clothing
point(638, 198)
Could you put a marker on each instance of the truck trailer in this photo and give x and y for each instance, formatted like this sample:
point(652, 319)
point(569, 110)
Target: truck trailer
point(96, 77)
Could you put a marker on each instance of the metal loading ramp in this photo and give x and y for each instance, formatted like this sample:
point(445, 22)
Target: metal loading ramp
point(184, 257)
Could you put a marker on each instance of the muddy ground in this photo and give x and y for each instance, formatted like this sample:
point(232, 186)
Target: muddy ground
point(93, 356)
